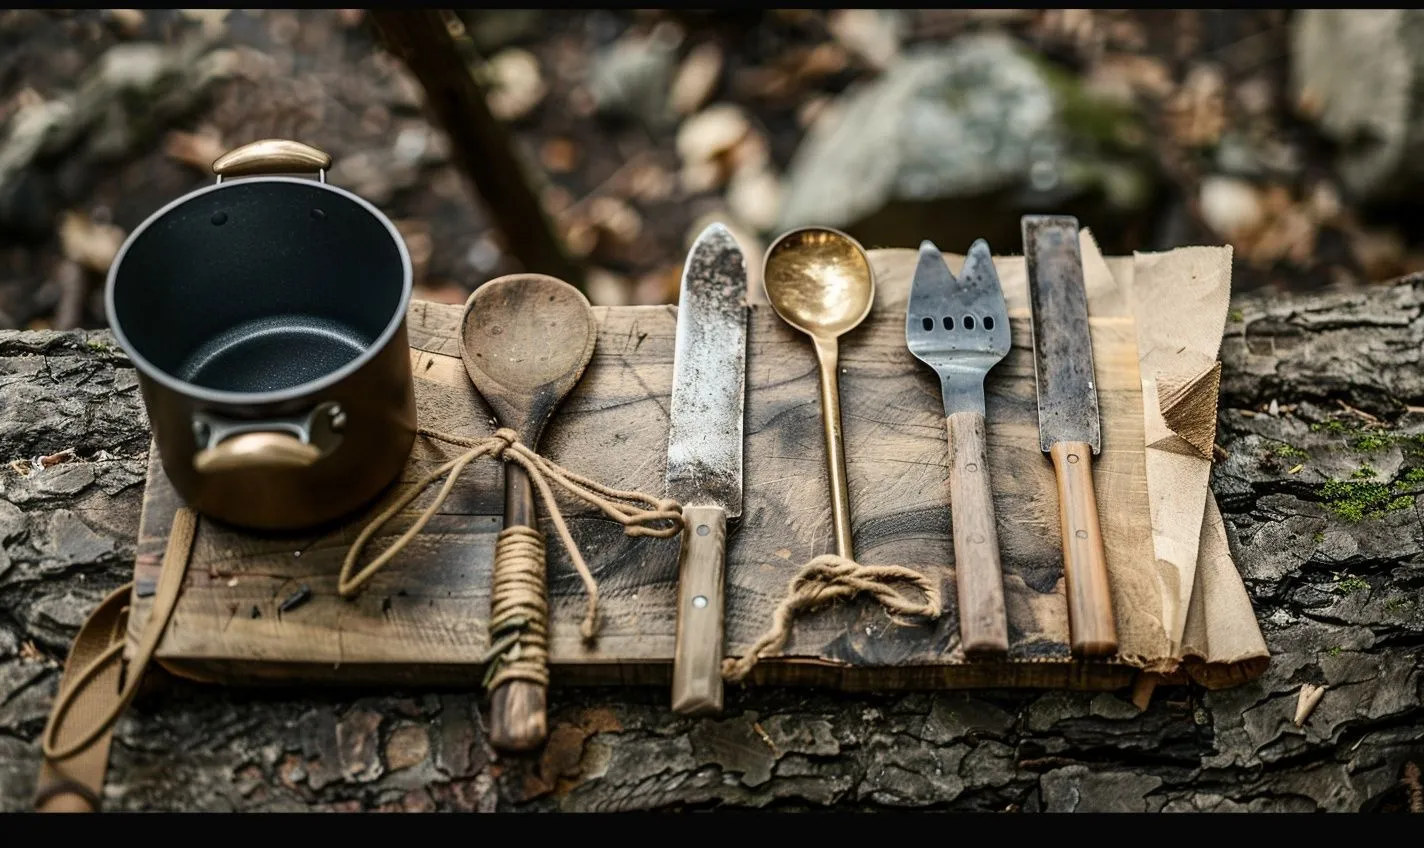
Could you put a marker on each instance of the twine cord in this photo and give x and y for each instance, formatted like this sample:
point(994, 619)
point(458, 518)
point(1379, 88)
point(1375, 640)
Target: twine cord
point(519, 552)
point(824, 581)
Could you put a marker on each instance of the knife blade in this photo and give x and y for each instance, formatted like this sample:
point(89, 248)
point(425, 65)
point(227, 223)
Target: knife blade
point(1069, 429)
point(704, 465)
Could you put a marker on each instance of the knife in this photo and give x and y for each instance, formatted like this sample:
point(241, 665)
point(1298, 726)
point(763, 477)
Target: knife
point(1069, 430)
point(704, 465)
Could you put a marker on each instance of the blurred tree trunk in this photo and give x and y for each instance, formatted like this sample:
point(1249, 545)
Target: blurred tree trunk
point(481, 144)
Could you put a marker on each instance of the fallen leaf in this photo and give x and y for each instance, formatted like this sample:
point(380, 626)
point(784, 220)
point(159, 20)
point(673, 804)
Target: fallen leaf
point(517, 86)
point(196, 150)
point(696, 78)
point(1231, 207)
point(872, 34)
point(559, 155)
point(711, 132)
point(129, 21)
point(88, 244)
point(754, 196)
point(1197, 112)
point(651, 183)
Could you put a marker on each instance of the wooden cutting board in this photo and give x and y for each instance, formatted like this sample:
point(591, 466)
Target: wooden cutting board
point(422, 619)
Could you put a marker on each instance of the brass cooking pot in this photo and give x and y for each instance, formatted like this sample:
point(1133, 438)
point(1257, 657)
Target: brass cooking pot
point(266, 318)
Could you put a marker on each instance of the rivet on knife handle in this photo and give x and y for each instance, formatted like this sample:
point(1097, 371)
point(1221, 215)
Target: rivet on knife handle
point(697, 663)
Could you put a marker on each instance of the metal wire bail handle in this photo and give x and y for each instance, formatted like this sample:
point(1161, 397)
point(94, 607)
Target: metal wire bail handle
point(271, 156)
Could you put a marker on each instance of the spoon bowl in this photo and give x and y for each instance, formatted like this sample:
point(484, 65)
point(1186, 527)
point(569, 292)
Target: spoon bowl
point(819, 281)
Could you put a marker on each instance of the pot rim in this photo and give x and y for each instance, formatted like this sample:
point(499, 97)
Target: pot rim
point(290, 393)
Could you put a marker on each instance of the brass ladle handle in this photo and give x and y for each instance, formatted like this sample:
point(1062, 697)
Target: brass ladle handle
point(271, 156)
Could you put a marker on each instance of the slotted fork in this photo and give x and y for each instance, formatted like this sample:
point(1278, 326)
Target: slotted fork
point(960, 328)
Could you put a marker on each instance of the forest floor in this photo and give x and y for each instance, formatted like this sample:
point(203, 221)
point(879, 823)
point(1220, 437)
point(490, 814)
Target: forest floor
point(1212, 85)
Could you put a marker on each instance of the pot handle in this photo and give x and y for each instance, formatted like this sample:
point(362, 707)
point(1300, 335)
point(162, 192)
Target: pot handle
point(271, 156)
point(257, 451)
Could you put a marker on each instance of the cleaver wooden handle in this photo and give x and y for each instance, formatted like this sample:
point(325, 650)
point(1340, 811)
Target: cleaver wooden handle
point(983, 626)
point(697, 660)
point(1085, 569)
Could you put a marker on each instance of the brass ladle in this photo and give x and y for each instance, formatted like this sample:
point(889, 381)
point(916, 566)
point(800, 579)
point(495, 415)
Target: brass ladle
point(819, 281)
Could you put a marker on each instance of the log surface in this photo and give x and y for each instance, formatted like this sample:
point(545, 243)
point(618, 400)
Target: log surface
point(1334, 567)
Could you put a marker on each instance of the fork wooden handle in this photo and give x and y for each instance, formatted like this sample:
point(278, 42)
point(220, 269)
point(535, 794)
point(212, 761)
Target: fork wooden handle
point(983, 626)
point(1085, 569)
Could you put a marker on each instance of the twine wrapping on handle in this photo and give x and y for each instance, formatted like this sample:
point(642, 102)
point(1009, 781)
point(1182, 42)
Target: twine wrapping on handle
point(637, 512)
point(825, 580)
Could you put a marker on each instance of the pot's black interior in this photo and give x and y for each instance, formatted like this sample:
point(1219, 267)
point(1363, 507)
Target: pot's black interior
point(258, 286)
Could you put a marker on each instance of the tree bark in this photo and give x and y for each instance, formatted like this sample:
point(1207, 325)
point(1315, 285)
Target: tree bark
point(1333, 569)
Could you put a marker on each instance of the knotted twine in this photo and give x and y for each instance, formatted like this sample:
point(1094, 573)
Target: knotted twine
point(824, 581)
point(519, 609)
point(519, 628)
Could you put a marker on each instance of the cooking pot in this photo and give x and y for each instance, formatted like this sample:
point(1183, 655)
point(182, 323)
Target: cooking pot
point(266, 318)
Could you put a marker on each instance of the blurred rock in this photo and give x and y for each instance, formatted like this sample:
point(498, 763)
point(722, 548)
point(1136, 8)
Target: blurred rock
point(696, 78)
point(957, 141)
point(1356, 73)
point(130, 91)
point(631, 79)
point(871, 34)
point(516, 84)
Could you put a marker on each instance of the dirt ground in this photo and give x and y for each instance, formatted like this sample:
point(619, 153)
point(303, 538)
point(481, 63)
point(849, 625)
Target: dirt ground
point(617, 188)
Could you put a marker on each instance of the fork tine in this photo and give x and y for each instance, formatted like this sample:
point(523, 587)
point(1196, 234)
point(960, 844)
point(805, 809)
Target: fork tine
point(978, 271)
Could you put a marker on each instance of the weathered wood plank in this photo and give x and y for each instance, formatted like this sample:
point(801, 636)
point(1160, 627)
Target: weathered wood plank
point(422, 618)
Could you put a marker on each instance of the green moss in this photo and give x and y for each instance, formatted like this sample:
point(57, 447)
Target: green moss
point(1398, 606)
point(1334, 425)
point(97, 346)
point(1371, 441)
point(1412, 476)
point(1364, 472)
point(1318, 538)
point(1236, 316)
point(1285, 451)
point(1348, 584)
point(1334, 651)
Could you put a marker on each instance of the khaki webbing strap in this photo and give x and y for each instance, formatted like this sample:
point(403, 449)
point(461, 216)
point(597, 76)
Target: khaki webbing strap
point(97, 685)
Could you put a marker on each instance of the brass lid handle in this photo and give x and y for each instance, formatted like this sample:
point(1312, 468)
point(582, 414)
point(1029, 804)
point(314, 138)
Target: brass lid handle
point(257, 451)
point(271, 156)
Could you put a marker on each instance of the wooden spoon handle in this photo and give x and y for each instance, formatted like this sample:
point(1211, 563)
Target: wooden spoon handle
point(517, 707)
point(983, 626)
point(1092, 630)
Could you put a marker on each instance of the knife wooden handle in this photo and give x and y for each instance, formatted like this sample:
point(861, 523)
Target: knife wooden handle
point(1085, 569)
point(983, 626)
point(697, 662)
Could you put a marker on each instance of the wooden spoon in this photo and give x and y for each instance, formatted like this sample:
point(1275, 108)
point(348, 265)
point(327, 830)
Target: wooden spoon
point(525, 340)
